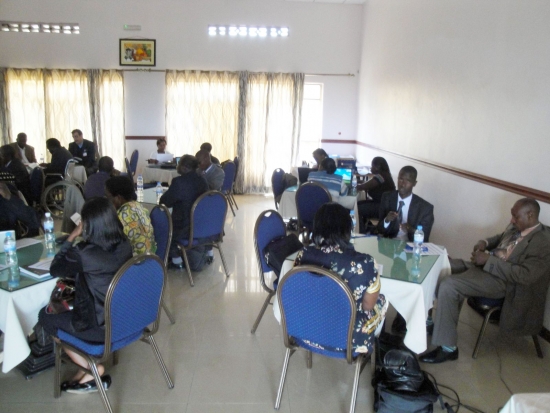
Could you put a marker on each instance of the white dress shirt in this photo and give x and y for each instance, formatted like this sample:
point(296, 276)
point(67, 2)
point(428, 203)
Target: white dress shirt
point(23, 156)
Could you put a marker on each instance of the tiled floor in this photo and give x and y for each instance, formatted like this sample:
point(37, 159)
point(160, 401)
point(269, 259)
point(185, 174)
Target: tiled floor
point(218, 366)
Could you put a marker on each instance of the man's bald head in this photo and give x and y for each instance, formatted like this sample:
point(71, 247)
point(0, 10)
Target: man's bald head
point(529, 204)
point(525, 213)
point(203, 156)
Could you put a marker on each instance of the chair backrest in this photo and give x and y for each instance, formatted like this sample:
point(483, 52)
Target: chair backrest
point(208, 216)
point(277, 183)
point(128, 167)
point(134, 161)
point(37, 184)
point(229, 170)
point(317, 306)
point(133, 299)
point(269, 225)
point(69, 170)
point(309, 198)
point(161, 219)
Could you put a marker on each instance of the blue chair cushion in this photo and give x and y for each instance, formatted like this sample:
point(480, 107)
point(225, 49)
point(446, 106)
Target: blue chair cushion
point(96, 349)
point(323, 350)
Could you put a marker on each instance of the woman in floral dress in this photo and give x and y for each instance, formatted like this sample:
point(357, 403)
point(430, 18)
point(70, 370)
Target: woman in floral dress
point(332, 250)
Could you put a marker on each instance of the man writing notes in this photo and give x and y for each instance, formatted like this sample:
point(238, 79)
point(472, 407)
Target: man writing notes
point(514, 265)
point(84, 150)
point(402, 211)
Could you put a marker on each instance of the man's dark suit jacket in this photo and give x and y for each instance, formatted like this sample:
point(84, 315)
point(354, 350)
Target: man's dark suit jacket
point(22, 178)
point(29, 152)
point(86, 153)
point(181, 194)
point(420, 213)
point(60, 156)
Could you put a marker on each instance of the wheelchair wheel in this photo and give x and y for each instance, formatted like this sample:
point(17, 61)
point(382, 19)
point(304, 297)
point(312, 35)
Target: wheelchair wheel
point(53, 198)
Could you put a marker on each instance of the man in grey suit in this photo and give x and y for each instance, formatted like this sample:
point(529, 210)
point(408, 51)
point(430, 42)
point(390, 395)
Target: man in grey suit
point(514, 265)
point(213, 173)
point(402, 211)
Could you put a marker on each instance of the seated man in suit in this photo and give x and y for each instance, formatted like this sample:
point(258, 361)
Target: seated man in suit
point(84, 150)
point(60, 157)
point(402, 211)
point(208, 148)
point(23, 152)
point(213, 173)
point(514, 265)
point(95, 184)
point(17, 169)
point(326, 177)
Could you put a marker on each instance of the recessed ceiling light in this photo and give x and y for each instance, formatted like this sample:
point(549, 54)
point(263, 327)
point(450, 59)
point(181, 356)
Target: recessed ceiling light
point(244, 31)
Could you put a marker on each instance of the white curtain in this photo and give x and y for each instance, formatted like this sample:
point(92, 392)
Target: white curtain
point(106, 89)
point(66, 95)
point(270, 135)
point(27, 107)
point(202, 107)
point(51, 103)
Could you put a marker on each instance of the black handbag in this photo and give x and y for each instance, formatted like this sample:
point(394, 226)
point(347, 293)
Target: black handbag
point(402, 371)
point(62, 297)
point(278, 249)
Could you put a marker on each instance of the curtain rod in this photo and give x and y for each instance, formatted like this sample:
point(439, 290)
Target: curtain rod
point(306, 74)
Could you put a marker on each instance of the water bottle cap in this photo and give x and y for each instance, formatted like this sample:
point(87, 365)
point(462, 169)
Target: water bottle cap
point(48, 214)
point(419, 227)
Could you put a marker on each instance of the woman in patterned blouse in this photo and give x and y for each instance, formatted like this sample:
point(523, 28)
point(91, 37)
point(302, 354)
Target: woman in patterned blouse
point(134, 217)
point(332, 250)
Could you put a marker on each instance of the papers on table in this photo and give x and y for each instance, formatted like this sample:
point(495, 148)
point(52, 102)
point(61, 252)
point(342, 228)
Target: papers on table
point(25, 242)
point(40, 270)
point(427, 249)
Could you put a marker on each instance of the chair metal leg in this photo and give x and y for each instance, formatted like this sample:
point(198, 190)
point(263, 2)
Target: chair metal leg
point(115, 358)
point(187, 267)
point(233, 198)
point(57, 373)
point(309, 359)
point(230, 204)
point(262, 311)
point(168, 313)
point(537, 346)
point(219, 247)
point(482, 330)
point(358, 363)
point(288, 353)
point(160, 361)
point(99, 384)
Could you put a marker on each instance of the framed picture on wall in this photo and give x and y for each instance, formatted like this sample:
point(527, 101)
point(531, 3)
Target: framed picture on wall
point(137, 52)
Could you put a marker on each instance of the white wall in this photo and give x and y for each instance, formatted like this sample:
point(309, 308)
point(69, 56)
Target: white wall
point(462, 83)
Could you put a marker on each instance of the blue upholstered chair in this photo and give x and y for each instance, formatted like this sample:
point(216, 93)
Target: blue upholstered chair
point(227, 187)
point(486, 307)
point(132, 304)
point(309, 198)
point(207, 222)
point(161, 219)
point(277, 184)
point(269, 226)
point(318, 314)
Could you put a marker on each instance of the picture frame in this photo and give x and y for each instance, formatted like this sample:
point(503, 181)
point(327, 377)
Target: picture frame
point(137, 52)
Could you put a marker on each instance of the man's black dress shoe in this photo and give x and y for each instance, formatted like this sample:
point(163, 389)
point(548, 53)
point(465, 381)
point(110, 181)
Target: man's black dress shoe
point(439, 356)
point(88, 387)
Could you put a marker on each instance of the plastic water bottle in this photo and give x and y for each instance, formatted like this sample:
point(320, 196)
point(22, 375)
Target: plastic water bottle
point(354, 185)
point(353, 222)
point(41, 158)
point(49, 236)
point(158, 191)
point(418, 241)
point(140, 188)
point(12, 262)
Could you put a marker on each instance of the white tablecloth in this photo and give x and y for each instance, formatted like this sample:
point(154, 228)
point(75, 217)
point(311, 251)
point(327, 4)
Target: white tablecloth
point(528, 403)
point(411, 300)
point(287, 206)
point(18, 315)
point(159, 175)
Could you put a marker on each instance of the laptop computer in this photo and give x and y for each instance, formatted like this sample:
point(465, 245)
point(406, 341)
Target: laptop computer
point(345, 174)
point(164, 157)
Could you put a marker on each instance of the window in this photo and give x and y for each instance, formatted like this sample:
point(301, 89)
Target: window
point(312, 121)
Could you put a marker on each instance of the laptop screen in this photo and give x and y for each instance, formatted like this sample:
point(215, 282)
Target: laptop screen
point(345, 174)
